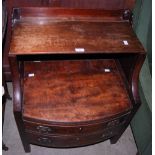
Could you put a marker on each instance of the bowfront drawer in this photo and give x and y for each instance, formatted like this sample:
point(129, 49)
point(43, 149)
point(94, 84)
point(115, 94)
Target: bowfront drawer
point(69, 141)
point(76, 129)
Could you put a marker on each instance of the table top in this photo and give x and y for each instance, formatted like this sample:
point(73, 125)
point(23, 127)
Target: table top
point(74, 91)
point(45, 35)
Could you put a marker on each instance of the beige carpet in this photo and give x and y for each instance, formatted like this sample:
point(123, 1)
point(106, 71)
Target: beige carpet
point(125, 146)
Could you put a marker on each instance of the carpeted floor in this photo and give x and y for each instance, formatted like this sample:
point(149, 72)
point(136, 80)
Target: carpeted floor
point(125, 146)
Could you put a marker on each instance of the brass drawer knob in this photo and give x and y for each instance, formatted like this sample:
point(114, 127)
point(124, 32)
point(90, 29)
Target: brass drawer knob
point(107, 134)
point(77, 138)
point(44, 140)
point(44, 129)
point(113, 123)
point(80, 128)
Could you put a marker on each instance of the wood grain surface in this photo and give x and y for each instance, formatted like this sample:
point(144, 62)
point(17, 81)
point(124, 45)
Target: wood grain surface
point(65, 37)
point(99, 4)
point(72, 13)
point(73, 91)
point(89, 96)
point(85, 4)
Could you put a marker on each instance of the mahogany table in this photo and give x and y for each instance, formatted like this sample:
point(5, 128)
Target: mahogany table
point(75, 75)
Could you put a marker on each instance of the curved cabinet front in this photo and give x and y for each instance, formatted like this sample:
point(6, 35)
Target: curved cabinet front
point(69, 141)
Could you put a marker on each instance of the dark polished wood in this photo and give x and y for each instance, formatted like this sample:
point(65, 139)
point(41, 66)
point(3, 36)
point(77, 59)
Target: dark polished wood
point(70, 141)
point(81, 35)
point(85, 4)
point(80, 4)
point(17, 99)
point(57, 128)
point(75, 75)
point(65, 13)
point(87, 91)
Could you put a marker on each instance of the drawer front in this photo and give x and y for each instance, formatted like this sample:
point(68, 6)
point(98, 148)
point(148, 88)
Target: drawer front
point(77, 129)
point(69, 141)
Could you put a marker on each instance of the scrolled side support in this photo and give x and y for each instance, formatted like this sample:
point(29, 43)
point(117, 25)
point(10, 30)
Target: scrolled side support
point(17, 97)
point(133, 80)
point(135, 77)
point(17, 101)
